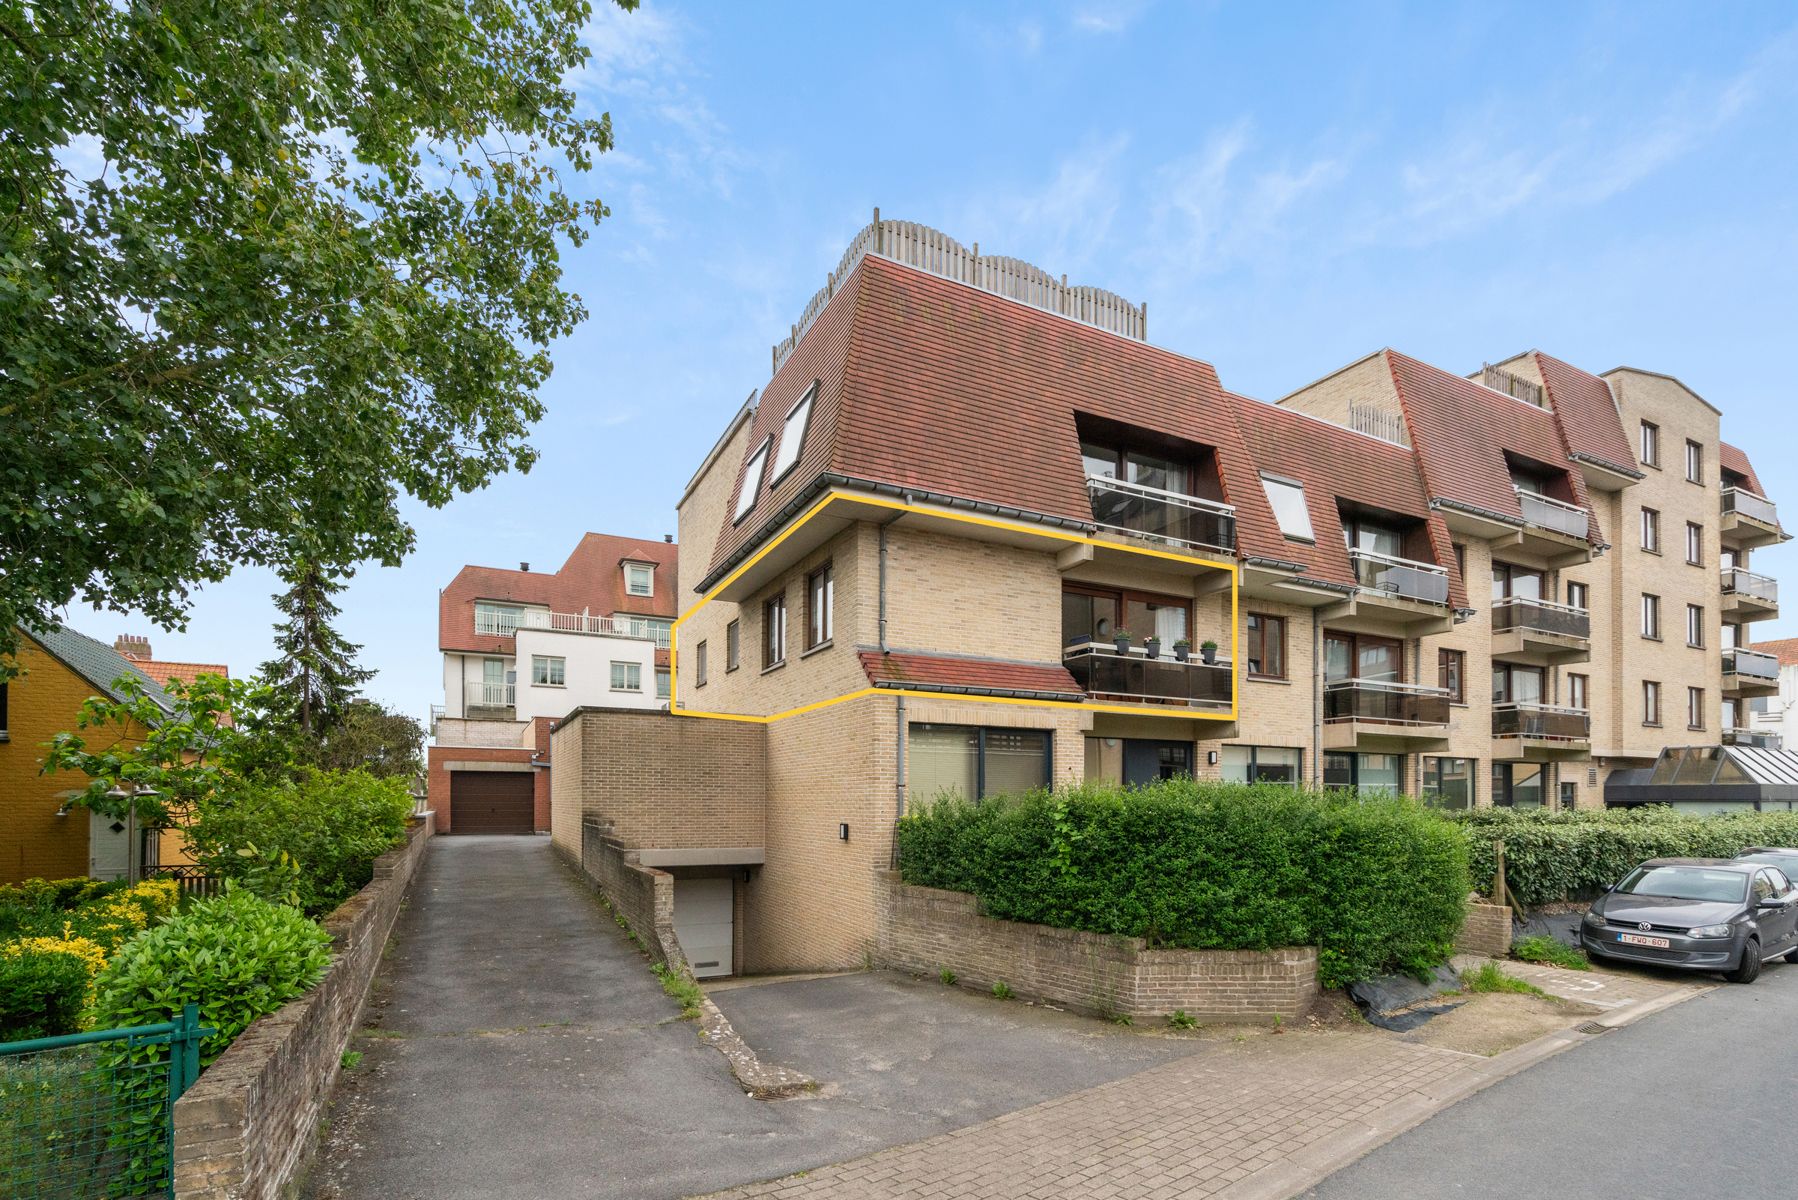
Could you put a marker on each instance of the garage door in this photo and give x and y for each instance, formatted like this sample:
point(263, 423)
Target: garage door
point(702, 922)
point(492, 802)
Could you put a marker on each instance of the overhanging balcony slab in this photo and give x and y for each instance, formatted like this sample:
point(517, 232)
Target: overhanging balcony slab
point(1740, 531)
point(1538, 750)
point(1381, 737)
point(1534, 546)
point(1539, 648)
point(1368, 611)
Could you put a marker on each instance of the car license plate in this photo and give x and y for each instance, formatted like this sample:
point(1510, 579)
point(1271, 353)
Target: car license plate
point(1636, 939)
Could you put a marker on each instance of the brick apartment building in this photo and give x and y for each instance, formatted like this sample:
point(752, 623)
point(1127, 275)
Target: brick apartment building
point(522, 649)
point(910, 557)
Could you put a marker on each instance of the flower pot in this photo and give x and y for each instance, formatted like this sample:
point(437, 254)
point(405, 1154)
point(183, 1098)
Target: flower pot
point(1182, 653)
point(1209, 653)
point(1152, 648)
point(1122, 644)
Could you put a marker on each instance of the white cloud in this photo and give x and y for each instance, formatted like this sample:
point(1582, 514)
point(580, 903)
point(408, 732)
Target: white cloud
point(1108, 18)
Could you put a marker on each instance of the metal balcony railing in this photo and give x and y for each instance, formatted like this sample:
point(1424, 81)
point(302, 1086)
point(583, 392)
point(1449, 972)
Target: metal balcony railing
point(492, 695)
point(1386, 703)
point(1749, 504)
point(1542, 616)
point(1751, 663)
point(1758, 739)
point(1740, 582)
point(506, 624)
point(1546, 721)
point(1549, 513)
point(1101, 670)
point(1162, 515)
point(1400, 576)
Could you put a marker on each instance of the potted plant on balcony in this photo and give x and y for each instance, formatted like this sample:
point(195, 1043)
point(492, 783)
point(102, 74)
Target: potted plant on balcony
point(1120, 637)
point(1182, 650)
point(1208, 652)
point(1151, 646)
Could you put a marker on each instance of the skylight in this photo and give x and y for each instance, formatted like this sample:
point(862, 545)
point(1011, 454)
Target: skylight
point(752, 482)
point(792, 433)
point(1287, 499)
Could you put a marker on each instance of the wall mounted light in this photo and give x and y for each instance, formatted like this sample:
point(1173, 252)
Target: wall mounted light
point(1211, 758)
point(842, 831)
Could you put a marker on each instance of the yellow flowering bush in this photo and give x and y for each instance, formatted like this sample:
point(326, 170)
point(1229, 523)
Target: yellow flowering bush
point(73, 921)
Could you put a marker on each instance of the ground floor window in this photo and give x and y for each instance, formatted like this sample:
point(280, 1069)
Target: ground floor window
point(1518, 785)
point(1448, 782)
point(627, 677)
point(1366, 772)
point(1261, 764)
point(975, 762)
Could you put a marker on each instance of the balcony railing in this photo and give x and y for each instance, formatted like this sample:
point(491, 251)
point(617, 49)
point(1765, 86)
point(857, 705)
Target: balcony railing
point(1501, 380)
point(1740, 582)
point(1542, 616)
point(1549, 513)
point(505, 624)
point(1101, 670)
point(1748, 504)
point(1758, 739)
point(1162, 515)
point(492, 695)
point(1400, 576)
point(1751, 663)
point(1543, 721)
point(1385, 703)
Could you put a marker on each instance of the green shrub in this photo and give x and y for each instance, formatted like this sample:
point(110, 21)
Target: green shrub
point(1490, 977)
point(1541, 949)
point(41, 994)
point(1375, 883)
point(1554, 856)
point(333, 825)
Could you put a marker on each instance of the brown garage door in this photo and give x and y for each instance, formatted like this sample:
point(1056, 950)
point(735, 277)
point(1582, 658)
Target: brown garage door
point(492, 802)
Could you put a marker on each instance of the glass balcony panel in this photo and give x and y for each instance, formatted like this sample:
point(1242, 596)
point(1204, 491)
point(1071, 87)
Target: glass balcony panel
point(1751, 663)
point(1400, 576)
point(1162, 515)
point(1748, 504)
point(1100, 670)
point(1550, 513)
point(1739, 582)
point(1541, 721)
point(1758, 739)
point(1541, 615)
point(1387, 703)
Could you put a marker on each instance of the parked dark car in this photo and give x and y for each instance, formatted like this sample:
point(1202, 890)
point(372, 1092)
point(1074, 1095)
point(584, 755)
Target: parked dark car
point(1698, 914)
point(1785, 858)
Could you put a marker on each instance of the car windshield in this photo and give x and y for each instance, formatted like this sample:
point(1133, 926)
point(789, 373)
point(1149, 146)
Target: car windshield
point(1687, 883)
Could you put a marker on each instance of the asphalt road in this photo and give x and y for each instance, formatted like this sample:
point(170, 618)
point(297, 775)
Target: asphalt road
point(1691, 1102)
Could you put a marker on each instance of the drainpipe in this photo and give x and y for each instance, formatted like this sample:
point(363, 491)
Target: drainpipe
point(899, 758)
point(1317, 701)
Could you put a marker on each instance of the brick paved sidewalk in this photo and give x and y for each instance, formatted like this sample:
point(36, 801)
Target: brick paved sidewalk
point(1188, 1128)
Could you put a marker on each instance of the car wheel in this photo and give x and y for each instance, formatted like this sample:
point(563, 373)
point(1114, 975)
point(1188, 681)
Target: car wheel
point(1750, 967)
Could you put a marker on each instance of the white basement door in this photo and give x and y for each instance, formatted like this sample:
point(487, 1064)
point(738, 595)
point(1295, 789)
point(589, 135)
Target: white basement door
point(702, 922)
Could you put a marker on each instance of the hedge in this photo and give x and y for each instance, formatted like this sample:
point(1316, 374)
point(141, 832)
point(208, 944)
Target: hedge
point(1376, 884)
point(1554, 856)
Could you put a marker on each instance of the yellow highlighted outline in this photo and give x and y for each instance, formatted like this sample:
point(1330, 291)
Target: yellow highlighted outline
point(834, 495)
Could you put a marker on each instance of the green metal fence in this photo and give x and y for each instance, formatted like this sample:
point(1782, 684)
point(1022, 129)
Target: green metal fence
point(91, 1115)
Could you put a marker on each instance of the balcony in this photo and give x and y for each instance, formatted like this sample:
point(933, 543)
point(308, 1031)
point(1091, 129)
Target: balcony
point(1525, 732)
point(507, 624)
point(490, 699)
point(1374, 715)
point(1749, 596)
point(1749, 520)
point(1167, 518)
point(1539, 632)
point(1749, 673)
point(1396, 595)
point(1754, 739)
point(1133, 677)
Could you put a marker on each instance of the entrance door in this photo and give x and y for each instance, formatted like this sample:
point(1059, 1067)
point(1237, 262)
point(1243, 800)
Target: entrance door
point(1146, 761)
point(492, 802)
point(108, 847)
point(703, 913)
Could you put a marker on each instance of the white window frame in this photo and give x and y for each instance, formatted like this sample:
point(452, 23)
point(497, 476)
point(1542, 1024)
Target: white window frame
point(752, 481)
point(631, 673)
point(554, 672)
point(630, 579)
point(1651, 530)
point(792, 435)
point(1694, 462)
point(1695, 625)
point(1651, 616)
point(1651, 444)
point(1694, 543)
point(1293, 523)
point(820, 601)
point(664, 683)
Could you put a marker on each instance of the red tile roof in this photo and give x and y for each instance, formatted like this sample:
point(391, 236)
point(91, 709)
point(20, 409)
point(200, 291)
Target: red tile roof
point(1736, 460)
point(591, 581)
point(1588, 413)
point(162, 672)
point(1784, 649)
point(985, 676)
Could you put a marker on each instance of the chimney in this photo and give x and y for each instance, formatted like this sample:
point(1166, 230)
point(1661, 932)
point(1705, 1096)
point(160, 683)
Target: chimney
point(668, 538)
point(524, 566)
point(133, 647)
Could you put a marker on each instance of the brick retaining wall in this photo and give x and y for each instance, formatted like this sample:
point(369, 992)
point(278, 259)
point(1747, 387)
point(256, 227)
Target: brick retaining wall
point(926, 930)
point(642, 895)
point(1486, 931)
point(248, 1127)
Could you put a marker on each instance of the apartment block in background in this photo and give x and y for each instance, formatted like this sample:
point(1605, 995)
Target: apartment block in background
point(524, 648)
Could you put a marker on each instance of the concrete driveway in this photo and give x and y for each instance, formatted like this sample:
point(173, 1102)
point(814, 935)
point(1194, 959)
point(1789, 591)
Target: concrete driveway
point(518, 1046)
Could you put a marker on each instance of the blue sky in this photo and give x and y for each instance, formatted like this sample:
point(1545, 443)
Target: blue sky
point(1289, 187)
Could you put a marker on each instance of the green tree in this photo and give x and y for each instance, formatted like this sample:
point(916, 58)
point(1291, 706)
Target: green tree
point(315, 673)
point(382, 742)
point(263, 269)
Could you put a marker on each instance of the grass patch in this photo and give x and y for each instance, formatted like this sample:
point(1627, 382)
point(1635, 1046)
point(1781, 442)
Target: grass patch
point(350, 1060)
point(1487, 977)
point(1541, 949)
point(946, 976)
point(680, 986)
point(1181, 1019)
point(1002, 991)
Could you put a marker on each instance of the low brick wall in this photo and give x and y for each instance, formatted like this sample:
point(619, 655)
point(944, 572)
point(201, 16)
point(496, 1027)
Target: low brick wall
point(247, 1128)
point(926, 930)
point(642, 895)
point(1486, 931)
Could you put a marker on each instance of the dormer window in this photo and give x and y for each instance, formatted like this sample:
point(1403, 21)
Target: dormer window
point(792, 435)
point(1287, 498)
point(752, 483)
point(639, 579)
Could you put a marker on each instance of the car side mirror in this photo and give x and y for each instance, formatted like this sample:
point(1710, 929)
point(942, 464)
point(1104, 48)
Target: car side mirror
point(1771, 902)
point(1605, 887)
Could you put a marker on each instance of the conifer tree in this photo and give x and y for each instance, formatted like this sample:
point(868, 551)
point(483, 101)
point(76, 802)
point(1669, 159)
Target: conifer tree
point(315, 673)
